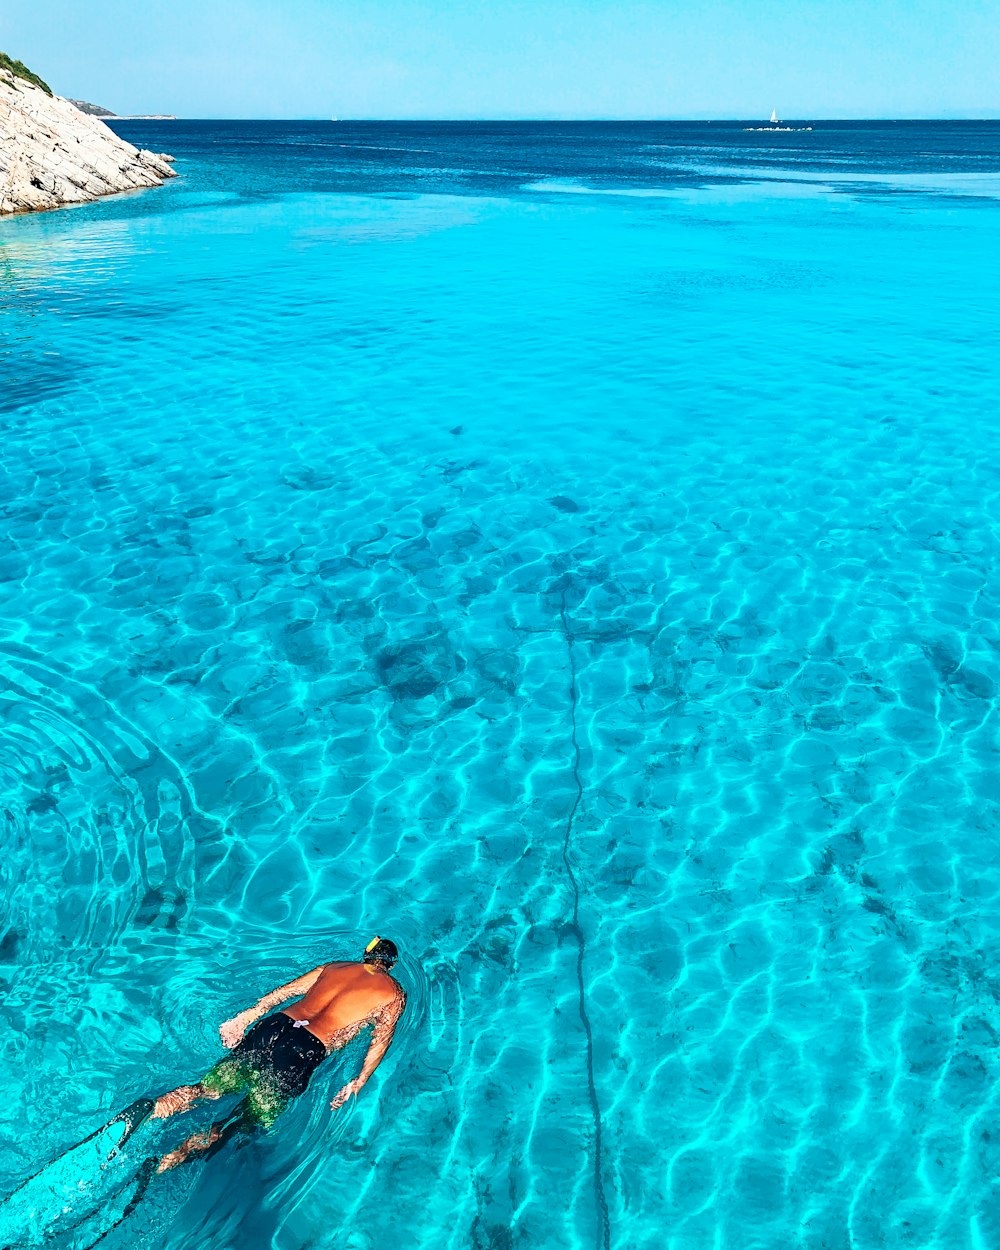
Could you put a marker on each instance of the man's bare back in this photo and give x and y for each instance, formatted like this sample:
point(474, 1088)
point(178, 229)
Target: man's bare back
point(343, 999)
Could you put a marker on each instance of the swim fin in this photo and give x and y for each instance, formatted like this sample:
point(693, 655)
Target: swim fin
point(68, 1192)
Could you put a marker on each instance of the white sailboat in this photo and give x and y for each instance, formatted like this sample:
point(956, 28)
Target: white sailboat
point(775, 123)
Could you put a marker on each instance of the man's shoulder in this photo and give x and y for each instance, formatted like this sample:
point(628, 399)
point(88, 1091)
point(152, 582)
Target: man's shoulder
point(337, 972)
point(389, 991)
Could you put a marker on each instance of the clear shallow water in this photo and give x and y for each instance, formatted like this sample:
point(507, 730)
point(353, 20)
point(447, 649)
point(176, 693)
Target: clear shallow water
point(594, 591)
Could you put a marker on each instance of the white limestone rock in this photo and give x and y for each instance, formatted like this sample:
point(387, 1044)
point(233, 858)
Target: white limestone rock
point(52, 154)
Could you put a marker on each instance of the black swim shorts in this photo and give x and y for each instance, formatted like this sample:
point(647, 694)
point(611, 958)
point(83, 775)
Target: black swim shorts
point(273, 1064)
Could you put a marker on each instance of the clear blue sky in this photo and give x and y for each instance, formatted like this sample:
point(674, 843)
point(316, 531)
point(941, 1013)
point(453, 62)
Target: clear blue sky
point(516, 58)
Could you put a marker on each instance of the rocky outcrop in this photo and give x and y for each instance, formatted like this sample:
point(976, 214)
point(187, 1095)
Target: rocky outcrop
point(52, 154)
point(94, 110)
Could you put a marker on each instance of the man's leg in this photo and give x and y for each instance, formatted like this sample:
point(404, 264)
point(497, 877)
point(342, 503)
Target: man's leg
point(181, 1099)
point(257, 1112)
point(206, 1144)
point(227, 1077)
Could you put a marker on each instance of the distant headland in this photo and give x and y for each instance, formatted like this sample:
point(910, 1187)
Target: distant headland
point(92, 110)
point(98, 110)
point(55, 151)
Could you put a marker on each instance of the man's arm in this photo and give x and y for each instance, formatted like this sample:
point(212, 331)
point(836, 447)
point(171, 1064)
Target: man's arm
point(231, 1031)
point(385, 1027)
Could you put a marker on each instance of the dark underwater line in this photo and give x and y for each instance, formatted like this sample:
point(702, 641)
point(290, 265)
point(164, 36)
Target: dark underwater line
point(599, 1195)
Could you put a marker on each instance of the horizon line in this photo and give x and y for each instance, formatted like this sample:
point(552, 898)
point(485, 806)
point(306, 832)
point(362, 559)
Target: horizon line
point(533, 120)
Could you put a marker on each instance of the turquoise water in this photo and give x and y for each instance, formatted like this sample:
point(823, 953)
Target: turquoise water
point(570, 551)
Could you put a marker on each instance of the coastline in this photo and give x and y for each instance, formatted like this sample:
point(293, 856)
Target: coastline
point(52, 154)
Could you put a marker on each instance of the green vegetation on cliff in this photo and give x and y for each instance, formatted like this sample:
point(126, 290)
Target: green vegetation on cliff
point(20, 70)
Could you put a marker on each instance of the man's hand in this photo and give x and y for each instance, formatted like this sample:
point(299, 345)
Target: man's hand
point(352, 1087)
point(231, 1031)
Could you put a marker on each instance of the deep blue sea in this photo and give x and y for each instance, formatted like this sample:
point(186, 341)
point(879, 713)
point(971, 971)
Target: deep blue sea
point(573, 551)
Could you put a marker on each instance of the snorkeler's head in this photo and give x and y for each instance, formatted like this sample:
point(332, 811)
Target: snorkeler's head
point(381, 952)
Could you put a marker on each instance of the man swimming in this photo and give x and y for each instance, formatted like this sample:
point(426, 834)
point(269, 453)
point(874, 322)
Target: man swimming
point(273, 1062)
